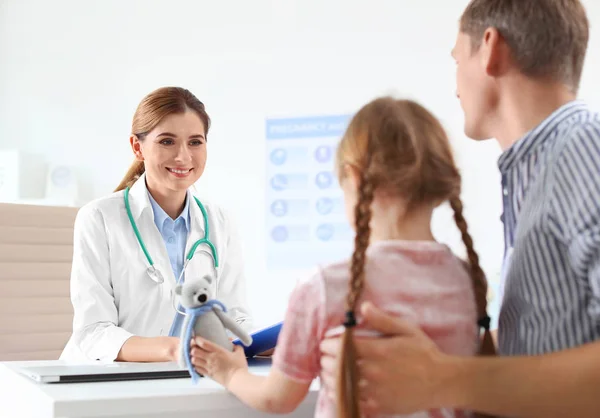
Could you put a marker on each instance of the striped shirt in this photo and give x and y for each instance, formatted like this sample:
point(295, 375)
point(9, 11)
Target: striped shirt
point(551, 217)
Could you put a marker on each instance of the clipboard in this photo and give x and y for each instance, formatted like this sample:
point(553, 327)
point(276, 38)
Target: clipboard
point(262, 340)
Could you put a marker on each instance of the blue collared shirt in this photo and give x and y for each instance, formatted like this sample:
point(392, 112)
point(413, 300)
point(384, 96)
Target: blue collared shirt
point(551, 199)
point(174, 234)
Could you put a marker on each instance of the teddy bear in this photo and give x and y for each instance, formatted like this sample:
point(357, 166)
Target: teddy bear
point(204, 317)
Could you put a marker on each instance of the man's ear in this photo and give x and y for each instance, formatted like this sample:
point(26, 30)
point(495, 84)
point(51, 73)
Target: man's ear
point(178, 289)
point(495, 53)
point(136, 147)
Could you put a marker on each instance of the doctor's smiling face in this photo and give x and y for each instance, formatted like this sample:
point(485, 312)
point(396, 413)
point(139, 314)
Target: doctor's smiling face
point(168, 138)
point(174, 152)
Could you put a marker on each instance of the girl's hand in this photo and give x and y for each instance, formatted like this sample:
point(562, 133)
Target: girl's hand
point(214, 361)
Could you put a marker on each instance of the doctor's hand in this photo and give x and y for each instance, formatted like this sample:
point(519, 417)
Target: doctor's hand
point(401, 373)
point(214, 361)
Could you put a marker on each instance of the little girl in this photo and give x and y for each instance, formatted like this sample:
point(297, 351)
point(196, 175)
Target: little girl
point(395, 167)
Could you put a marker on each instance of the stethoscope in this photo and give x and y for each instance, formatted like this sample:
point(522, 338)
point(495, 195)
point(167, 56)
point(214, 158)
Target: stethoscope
point(152, 271)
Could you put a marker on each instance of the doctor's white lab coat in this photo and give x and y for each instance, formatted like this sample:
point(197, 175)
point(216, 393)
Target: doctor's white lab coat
point(112, 294)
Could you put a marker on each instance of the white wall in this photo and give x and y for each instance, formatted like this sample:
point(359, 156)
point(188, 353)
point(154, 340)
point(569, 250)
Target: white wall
point(72, 73)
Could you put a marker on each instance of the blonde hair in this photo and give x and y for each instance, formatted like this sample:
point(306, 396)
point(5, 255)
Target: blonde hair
point(152, 109)
point(398, 146)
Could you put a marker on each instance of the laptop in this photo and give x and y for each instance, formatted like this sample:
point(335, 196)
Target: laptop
point(102, 372)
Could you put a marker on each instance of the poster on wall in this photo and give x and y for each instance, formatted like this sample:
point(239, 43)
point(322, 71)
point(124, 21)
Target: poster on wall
point(306, 219)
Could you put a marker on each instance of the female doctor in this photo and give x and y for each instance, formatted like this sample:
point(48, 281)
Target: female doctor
point(133, 246)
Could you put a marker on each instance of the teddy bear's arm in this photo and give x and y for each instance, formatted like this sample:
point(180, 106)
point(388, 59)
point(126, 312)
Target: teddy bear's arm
point(232, 326)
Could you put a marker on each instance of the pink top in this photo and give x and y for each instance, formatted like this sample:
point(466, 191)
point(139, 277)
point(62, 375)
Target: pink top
point(420, 281)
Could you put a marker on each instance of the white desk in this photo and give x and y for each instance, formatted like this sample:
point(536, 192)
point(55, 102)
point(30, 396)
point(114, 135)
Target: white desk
point(21, 397)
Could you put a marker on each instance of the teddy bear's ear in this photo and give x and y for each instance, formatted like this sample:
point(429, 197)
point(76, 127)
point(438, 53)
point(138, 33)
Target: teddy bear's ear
point(178, 289)
point(208, 279)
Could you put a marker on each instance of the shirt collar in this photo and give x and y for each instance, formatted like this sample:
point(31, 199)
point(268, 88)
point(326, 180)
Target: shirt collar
point(160, 216)
point(538, 135)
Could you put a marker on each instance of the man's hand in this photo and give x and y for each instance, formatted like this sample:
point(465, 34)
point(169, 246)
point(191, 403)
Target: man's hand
point(215, 362)
point(401, 373)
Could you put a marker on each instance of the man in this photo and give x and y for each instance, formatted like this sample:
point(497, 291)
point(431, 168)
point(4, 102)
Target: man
point(519, 64)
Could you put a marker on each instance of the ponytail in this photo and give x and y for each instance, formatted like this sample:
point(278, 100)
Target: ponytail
point(477, 275)
point(347, 385)
point(135, 171)
point(487, 347)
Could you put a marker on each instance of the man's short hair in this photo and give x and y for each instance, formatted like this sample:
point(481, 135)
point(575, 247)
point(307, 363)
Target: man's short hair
point(547, 38)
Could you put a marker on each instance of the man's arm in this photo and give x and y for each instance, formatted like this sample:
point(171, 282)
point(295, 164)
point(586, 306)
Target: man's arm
point(406, 373)
point(561, 384)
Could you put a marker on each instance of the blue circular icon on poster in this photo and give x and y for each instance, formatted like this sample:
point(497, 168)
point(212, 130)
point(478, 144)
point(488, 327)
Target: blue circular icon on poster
point(323, 154)
point(279, 233)
point(279, 207)
point(324, 179)
point(279, 182)
point(324, 205)
point(278, 156)
point(325, 232)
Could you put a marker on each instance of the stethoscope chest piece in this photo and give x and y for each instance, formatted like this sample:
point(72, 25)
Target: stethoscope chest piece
point(155, 274)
